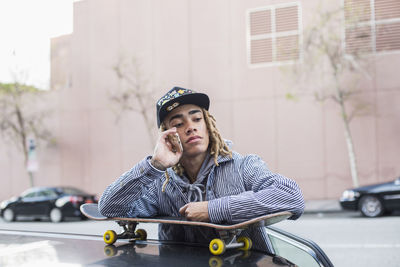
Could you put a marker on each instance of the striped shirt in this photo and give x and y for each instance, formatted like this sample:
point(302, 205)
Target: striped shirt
point(240, 188)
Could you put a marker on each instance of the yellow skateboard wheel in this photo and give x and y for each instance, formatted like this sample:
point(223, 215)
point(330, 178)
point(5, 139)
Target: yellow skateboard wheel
point(246, 241)
point(217, 246)
point(142, 234)
point(110, 237)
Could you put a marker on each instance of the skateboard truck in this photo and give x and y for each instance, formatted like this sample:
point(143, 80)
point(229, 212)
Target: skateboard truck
point(129, 232)
point(228, 240)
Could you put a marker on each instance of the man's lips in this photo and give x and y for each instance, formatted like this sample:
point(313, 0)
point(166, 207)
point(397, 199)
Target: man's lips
point(193, 138)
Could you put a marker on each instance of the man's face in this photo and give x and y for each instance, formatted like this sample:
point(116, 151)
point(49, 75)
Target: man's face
point(191, 127)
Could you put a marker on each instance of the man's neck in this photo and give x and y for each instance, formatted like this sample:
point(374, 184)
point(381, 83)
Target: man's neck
point(192, 165)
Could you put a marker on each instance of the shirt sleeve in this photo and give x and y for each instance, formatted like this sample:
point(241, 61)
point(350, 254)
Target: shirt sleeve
point(266, 193)
point(134, 193)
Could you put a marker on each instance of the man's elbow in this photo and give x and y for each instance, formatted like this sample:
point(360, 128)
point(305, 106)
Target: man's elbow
point(298, 207)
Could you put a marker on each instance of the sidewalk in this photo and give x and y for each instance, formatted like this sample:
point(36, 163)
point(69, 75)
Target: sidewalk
point(322, 206)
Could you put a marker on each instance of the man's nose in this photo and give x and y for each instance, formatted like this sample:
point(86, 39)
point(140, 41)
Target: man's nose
point(190, 128)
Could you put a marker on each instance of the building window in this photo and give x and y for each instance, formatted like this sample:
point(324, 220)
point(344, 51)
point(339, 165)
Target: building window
point(273, 34)
point(372, 26)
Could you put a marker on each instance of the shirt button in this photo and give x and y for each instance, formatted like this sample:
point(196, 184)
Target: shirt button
point(141, 170)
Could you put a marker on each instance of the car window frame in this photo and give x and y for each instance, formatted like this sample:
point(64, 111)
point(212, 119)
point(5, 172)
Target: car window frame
point(311, 247)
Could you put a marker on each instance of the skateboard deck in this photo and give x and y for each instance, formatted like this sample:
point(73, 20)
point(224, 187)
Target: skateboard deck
point(227, 232)
point(92, 212)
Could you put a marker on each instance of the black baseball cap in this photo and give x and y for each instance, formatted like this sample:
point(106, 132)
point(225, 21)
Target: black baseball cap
point(178, 96)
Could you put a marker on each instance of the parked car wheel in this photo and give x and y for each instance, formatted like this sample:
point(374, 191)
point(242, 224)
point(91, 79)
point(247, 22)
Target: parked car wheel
point(9, 215)
point(56, 215)
point(371, 206)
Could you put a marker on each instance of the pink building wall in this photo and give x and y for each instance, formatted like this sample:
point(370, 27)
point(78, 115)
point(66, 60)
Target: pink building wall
point(202, 45)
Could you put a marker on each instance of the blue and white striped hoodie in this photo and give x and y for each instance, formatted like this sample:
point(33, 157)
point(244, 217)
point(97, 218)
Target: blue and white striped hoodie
point(240, 188)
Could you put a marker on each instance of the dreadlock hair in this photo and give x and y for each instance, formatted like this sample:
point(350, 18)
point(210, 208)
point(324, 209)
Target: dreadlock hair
point(216, 144)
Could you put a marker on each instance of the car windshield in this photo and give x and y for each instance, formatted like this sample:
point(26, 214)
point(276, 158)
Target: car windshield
point(31, 192)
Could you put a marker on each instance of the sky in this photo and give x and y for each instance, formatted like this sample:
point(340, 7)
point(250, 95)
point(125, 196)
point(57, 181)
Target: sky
point(26, 27)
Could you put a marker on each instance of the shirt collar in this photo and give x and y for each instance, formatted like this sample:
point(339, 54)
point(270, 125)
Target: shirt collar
point(225, 158)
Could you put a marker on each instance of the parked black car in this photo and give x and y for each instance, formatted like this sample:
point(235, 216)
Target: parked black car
point(373, 200)
point(89, 250)
point(55, 203)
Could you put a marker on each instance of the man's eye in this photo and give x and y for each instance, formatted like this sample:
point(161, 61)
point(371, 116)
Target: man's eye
point(177, 125)
point(197, 119)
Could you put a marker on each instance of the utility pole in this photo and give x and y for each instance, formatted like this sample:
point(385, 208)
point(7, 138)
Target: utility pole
point(32, 165)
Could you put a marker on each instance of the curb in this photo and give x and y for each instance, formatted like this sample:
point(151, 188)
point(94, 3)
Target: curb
point(322, 206)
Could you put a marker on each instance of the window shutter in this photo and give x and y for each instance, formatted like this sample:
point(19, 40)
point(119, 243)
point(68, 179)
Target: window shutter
point(388, 37)
point(261, 49)
point(387, 9)
point(387, 34)
point(287, 47)
point(260, 22)
point(287, 19)
point(274, 34)
point(357, 11)
point(358, 40)
point(368, 31)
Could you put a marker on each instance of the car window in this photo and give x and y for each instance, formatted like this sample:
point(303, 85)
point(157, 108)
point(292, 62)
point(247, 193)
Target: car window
point(47, 193)
point(29, 194)
point(72, 191)
point(292, 249)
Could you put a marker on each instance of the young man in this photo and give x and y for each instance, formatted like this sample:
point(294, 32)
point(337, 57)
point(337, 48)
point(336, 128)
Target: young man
point(202, 179)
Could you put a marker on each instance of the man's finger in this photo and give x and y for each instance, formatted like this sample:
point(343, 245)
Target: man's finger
point(167, 132)
point(182, 210)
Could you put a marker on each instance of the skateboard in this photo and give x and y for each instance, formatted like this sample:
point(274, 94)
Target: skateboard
point(227, 232)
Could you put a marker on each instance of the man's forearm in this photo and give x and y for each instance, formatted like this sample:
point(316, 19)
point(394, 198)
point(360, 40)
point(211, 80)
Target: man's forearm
point(127, 189)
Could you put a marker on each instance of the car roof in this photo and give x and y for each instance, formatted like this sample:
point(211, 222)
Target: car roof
point(90, 250)
point(54, 188)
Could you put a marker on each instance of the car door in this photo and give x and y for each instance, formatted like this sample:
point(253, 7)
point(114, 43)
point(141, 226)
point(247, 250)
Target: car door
point(49, 198)
point(26, 205)
point(391, 197)
point(37, 203)
point(46, 201)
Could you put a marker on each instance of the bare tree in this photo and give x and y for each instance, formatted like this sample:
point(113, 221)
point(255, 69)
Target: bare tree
point(134, 94)
point(333, 72)
point(20, 119)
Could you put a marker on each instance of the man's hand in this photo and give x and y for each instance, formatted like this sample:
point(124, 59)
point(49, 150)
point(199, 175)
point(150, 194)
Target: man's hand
point(164, 156)
point(196, 211)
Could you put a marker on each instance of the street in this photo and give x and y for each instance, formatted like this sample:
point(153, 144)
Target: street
point(351, 240)
point(347, 238)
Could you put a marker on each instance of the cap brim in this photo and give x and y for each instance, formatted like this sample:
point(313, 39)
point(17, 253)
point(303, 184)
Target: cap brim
point(198, 99)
